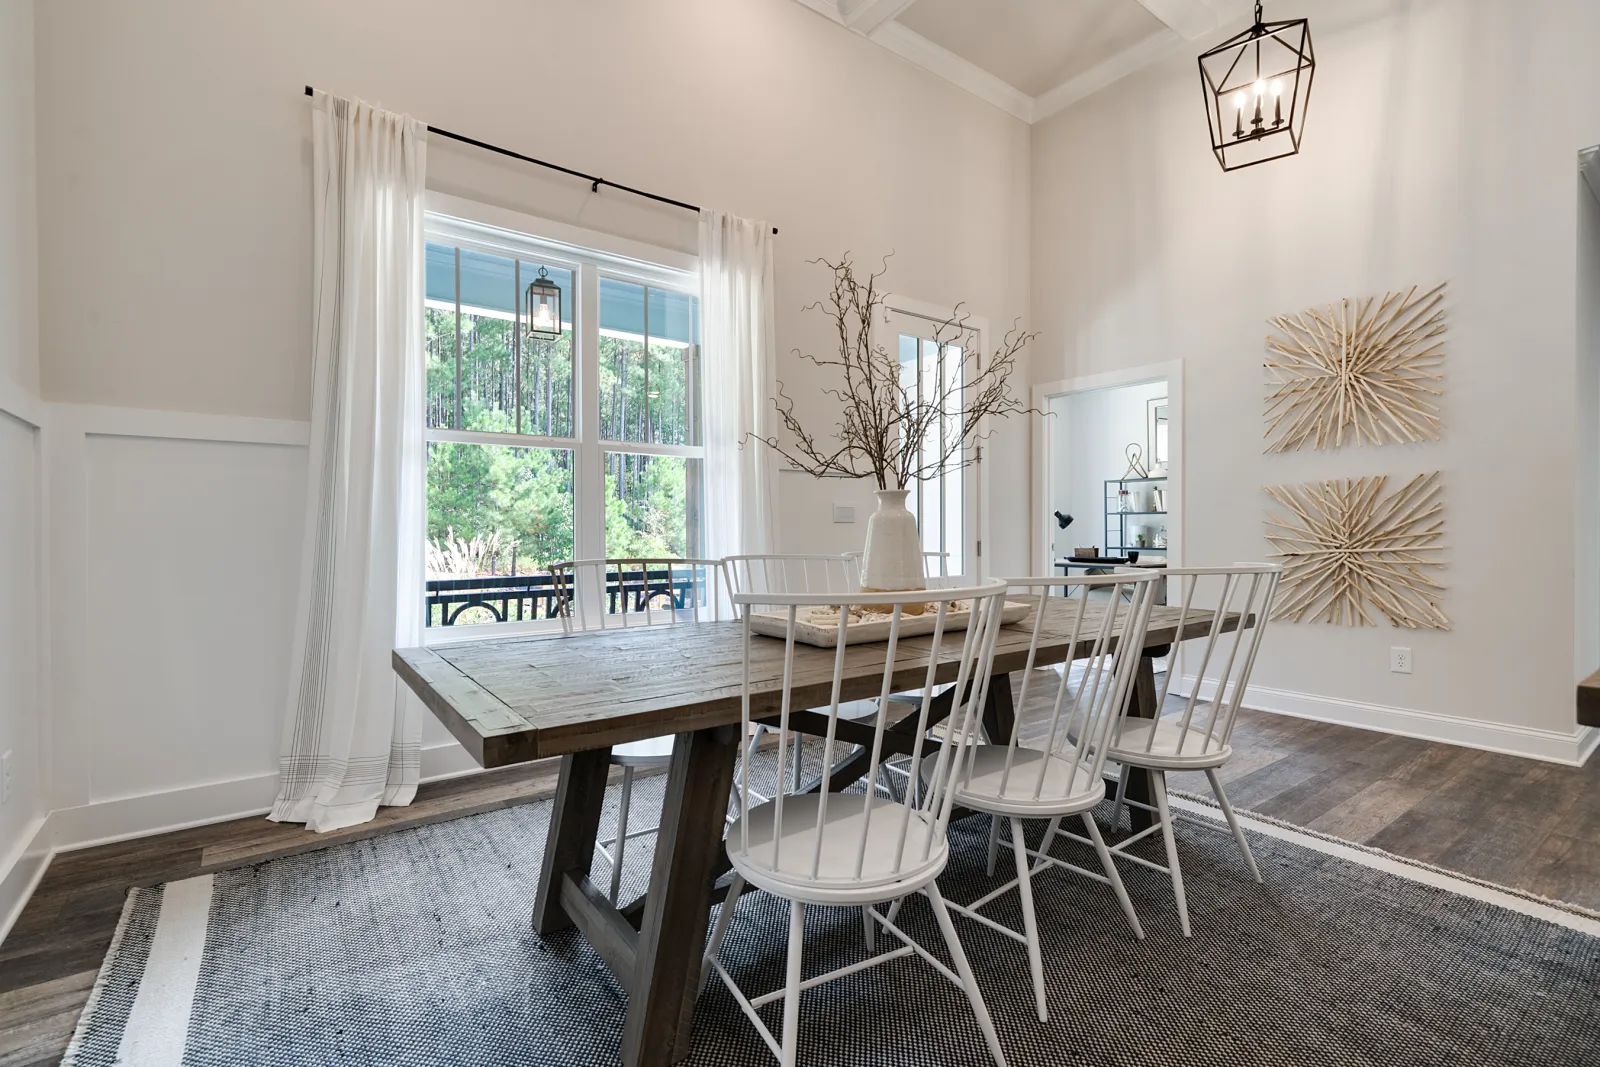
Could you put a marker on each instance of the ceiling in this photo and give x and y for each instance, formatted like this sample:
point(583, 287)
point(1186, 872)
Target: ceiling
point(1033, 57)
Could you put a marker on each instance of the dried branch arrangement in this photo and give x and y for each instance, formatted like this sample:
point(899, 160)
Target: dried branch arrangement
point(898, 425)
point(1369, 374)
point(1346, 545)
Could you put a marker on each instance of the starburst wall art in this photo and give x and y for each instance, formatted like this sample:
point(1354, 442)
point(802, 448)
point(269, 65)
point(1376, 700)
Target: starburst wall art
point(1350, 548)
point(1362, 372)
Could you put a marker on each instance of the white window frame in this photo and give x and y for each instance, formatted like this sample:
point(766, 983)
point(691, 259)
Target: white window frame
point(589, 255)
point(924, 317)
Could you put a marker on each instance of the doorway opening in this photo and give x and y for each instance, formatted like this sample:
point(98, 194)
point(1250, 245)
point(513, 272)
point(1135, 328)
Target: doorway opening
point(1109, 463)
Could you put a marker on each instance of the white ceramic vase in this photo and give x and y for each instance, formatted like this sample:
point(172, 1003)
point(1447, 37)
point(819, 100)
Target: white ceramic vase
point(893, 557)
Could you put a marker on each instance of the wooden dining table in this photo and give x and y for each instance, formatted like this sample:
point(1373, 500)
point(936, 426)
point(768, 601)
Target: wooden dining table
point(512, 700)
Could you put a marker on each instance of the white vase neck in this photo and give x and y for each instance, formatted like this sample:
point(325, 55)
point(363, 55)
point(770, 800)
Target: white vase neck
point(892, 495)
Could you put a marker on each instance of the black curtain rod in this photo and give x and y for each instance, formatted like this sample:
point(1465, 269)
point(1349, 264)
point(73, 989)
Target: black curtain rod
point(594, 183)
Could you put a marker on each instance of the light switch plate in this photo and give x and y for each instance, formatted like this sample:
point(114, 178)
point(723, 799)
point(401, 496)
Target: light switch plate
point(1400, 660)
point(844, 513)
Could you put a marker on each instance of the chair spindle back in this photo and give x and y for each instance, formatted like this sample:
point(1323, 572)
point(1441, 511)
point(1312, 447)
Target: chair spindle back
point(616, 593)
point(1216, 666)
point(1103, 630)
point(784, 676)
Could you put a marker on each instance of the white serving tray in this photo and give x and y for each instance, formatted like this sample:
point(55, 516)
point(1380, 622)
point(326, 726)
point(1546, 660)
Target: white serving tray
point(826, 634)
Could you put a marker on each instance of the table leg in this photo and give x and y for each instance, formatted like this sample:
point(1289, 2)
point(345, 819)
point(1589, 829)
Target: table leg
point(672, 933)
point(999, 710)
point(574, 825)
point(1143, 705)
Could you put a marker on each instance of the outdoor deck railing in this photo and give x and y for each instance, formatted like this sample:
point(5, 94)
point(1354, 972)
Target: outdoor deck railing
point(529, 597)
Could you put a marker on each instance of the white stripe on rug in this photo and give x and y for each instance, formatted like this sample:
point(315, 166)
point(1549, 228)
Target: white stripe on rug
point(1427, 874)
point(158, 1024)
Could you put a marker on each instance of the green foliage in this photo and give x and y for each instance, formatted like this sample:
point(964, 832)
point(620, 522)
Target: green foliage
point(525, 495)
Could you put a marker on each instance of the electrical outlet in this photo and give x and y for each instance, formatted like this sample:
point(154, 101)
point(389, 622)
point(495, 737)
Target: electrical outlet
point(844, 513)
point(5, 779)
point(1400, 660)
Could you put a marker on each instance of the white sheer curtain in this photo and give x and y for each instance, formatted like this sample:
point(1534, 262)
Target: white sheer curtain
point(353, 735)
point(738, 361)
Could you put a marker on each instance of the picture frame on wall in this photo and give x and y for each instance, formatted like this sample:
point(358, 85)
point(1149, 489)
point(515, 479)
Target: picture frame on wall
point(1157, 443)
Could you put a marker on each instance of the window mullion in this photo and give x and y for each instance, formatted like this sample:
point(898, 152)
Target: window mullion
point(590, 507)
point(516, 339)
point(458, 419)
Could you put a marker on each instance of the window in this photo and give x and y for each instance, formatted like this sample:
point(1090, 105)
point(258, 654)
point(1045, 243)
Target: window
point(942, 501)
point(548, 449)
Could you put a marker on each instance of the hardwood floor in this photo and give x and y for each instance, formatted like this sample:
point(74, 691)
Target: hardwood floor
point(1534, 826)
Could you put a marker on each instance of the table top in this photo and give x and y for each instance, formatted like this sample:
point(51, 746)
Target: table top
point(514, 699)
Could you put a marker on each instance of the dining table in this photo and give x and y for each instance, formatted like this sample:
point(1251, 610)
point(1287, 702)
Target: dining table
point(516, 699)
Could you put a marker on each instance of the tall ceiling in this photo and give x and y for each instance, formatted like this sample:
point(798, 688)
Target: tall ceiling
point(1033, 57)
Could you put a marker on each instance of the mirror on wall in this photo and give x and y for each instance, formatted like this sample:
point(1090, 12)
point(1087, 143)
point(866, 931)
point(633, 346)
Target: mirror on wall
point(1156, 445)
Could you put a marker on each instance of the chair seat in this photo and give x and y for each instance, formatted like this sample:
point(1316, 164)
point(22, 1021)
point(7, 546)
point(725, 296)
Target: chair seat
point(836, 880)
point(854, 710)
point(1165, 752)
point(1070, 784)
point(655, 752)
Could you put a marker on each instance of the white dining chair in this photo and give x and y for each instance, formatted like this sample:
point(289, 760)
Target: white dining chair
point(756, 575)
point(854, 849)
point(1214, 669)
point(1058, 772)
point(619, 593)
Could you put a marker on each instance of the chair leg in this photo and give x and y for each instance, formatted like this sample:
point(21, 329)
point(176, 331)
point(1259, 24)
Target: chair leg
point(1122, 798)
point(1111, 874)
point(964, 970)
point(1030, 924)
point(720, 929)
point(791, 994)
point(1233, 821)
point(1046, 841)
point(622, 831)
point(1159, 781)
point(994, 842)
point(869, 928)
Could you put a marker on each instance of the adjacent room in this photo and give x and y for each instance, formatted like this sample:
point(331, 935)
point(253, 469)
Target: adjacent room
point(799, 532)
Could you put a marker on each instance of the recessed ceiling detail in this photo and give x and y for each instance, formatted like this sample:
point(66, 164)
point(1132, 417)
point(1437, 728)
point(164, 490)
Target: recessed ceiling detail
point(1031, 58)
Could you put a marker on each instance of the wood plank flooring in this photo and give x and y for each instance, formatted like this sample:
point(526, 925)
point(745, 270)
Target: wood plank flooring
point(1534, 826)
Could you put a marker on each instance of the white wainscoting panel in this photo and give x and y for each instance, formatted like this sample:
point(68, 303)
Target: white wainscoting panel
point(21, 608)
point(190, 574)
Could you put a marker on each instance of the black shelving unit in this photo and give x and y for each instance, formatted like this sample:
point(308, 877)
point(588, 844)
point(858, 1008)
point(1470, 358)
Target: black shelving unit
point(1119, 542)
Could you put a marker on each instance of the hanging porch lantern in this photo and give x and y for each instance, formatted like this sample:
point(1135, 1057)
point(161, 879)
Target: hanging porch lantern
point(544, 307)
point(1257, 86)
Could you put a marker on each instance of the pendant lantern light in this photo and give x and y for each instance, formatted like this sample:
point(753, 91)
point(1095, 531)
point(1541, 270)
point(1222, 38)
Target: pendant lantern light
point(1257, 87)
point(544, 307)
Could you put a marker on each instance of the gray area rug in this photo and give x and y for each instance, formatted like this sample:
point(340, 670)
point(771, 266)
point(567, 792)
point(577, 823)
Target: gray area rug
point(415, 948)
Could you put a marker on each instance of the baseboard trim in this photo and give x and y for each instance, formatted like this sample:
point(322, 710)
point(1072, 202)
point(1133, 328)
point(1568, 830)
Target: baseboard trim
point(1548, 745)
point(127, 818)
point(23, 869)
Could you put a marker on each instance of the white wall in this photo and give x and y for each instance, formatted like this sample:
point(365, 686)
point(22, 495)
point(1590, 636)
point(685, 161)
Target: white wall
point(21, 594)
point(174, 259)
point(1586, 488)
point(1090, 436)
point(756, 106)
point(1441, 146)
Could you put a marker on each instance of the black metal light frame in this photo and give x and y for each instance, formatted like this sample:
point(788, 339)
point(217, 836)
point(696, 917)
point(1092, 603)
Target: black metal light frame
point(1267, 54)
point(543, 292)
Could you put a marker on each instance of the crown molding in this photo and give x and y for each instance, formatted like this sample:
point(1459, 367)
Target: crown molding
point(1152, 49)
point(874, 19)
point(912, 46)
point(828, 9)
point(1187, 18)
point(865, 16)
